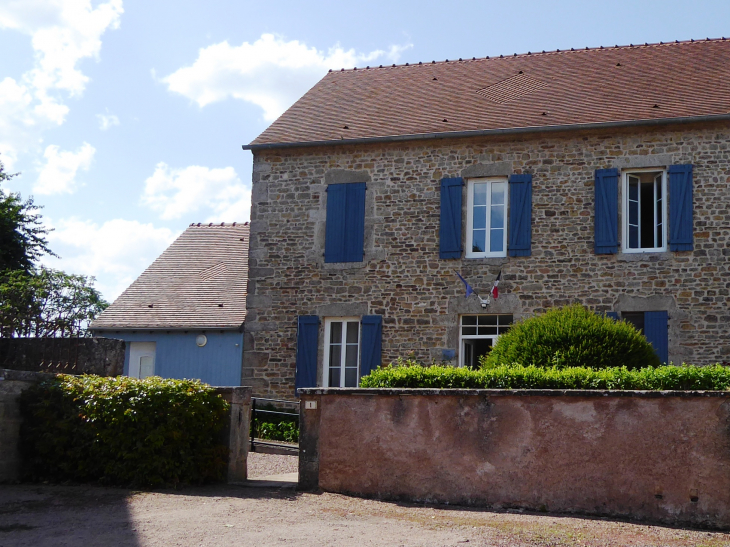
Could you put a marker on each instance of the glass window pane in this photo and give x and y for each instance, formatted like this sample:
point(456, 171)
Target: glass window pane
point(488, 319)
point(633, 237)
point(480, 194)
point(483, 331)
point(334, 377)
point(478, 241)
point(468, 331)
point(498, 192)
point(496, 241)
point(336, 332)
point(350, 377)
point(352, 332)
point(497, 220)
point(335, 355)
point(469, 320)
point(351, 355)
point(479, 217)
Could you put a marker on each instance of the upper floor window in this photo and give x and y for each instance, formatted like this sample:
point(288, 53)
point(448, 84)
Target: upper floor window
point(345, 227)
point(644, 211)
point(486, 218)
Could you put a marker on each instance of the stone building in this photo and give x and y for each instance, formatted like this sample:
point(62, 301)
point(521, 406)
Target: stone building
point(599, 176)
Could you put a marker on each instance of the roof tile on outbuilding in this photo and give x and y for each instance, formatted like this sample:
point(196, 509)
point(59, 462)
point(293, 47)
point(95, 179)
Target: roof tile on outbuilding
point(651, 82)
point(198, 282)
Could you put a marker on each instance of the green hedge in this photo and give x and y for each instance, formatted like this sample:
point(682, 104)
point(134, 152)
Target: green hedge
point(282, 431)
point(685, 377)
point(123, 431)
point(572, 336)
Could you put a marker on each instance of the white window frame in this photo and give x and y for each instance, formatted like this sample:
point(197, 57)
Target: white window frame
point(326, 361)
point(625, 211)
point(470, 216)
point(463, 336)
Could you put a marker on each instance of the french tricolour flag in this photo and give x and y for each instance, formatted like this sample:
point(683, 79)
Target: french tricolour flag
point(495, 290)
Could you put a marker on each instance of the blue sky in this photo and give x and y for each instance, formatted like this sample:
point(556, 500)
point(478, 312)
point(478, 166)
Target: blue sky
point(126, 118)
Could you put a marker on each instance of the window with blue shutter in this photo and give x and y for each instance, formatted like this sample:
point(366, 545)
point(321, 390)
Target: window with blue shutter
point(520, 219)
point(681, 237)
point(606, 213)
point(612, 315)
point(345, 226)
point(655, 330)
point(371, 352)
point(450, 228)
point(307, 341)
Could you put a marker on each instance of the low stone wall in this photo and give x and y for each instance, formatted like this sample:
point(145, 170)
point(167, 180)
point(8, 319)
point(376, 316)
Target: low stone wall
point(658, 456)
point(101, 356)
point(13, 382)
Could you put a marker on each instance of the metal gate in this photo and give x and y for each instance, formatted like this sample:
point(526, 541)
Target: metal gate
point(259, 412)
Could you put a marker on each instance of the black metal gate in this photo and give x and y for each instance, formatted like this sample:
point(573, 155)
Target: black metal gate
point(261, 408)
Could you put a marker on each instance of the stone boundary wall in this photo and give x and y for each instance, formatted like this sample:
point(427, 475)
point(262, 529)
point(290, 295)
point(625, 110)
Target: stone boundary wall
point(101, 356)
point(13, 382)
point(656, 456)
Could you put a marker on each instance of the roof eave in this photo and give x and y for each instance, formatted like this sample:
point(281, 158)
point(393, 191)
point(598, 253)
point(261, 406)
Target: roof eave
point(491, 132)
point(126, 328)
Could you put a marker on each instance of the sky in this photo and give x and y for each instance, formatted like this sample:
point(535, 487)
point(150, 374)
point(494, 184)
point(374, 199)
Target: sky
point(125, 118)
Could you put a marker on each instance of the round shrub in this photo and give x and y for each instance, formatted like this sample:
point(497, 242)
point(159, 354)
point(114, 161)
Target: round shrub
point(572, 336)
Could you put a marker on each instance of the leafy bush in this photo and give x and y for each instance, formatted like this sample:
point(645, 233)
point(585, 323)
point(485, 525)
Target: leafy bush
point(685, 377)
point(282, 431)
point(572, 336)
point(123, 431)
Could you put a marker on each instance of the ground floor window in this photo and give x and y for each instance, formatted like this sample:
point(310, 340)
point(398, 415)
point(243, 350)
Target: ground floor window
point(477, 335)
point(341, 352)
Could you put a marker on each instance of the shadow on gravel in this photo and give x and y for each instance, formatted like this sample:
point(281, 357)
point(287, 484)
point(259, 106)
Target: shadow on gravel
point(45, 515)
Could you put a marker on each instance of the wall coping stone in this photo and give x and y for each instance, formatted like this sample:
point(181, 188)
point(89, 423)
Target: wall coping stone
point(513, 392)
point(7, 374)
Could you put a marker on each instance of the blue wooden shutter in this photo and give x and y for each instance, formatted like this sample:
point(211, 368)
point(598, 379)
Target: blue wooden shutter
point(334, 243)
point(612, 315)
point(354, 222)
point(307, 338)
point(655, 330)
point(520, 215)
point(680, 208)
point(371, 347)
point(606, 214)
point(450, 229)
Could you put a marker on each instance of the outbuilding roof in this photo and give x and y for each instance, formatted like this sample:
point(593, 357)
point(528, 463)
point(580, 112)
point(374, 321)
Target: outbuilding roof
point(198, 282)
point(651, 83)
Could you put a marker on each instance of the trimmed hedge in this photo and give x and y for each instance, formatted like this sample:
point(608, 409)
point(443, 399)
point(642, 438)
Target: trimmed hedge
point(572, 336)
point(685, 377)
point(123, 431)
point(282, 431)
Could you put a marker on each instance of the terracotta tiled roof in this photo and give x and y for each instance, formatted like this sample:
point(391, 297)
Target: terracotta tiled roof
point(198, 282)
point(532, 90)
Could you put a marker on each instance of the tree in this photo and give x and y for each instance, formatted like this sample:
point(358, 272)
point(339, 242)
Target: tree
point(37, 301)
point(22, 235)
point(47, 302)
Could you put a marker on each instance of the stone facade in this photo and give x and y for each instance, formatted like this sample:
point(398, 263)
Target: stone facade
point(418, 295)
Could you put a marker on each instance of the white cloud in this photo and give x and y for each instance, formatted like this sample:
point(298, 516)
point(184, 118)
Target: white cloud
point(178, 192)
point(58, 175)
point(62, 33)
point(115, 252)
point(107, 120)
point(271, 72)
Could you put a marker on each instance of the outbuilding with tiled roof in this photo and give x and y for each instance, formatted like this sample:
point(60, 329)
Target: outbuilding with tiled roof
point(184, 315)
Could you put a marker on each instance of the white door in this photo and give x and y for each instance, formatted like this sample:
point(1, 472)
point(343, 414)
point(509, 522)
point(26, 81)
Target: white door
point(142, 359)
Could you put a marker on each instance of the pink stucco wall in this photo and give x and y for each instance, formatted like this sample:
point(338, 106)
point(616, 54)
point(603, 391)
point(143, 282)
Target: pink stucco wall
point(661, 456)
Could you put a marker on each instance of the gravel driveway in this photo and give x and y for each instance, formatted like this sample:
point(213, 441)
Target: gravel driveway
point(222, 515)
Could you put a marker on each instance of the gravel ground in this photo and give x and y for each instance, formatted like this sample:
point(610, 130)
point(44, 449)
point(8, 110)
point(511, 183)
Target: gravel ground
point(44, 515)
point(261, 465)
